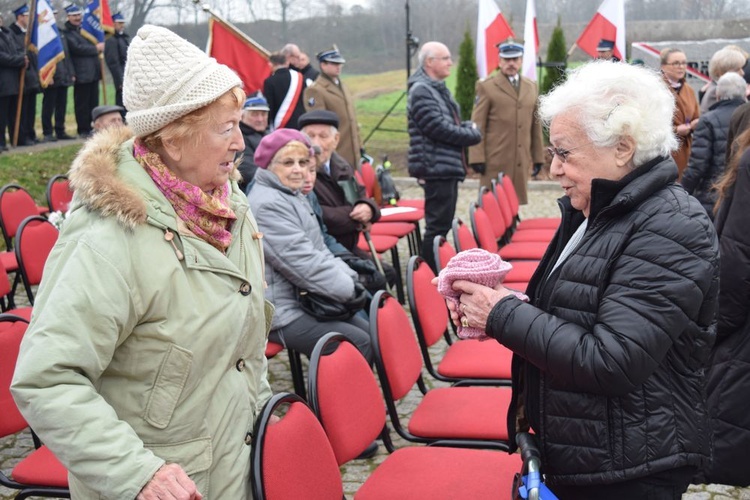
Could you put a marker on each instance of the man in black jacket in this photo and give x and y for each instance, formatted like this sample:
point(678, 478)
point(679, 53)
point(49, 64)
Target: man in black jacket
point(55, 100)
point(26, 132)
point(253, 125)
point(12, 62)
point(283, 91)
point(85, 56)
point(116, 54)
point(437, 138)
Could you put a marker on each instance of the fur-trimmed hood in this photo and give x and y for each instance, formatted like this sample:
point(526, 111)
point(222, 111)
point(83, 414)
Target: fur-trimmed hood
point(97, 181)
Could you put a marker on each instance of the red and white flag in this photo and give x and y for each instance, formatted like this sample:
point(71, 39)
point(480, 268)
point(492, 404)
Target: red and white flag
point(229, 46)
point(492, 28)
point(607, 23)
point(530, 42)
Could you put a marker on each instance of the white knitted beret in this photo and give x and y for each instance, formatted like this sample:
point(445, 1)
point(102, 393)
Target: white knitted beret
point(167, 77)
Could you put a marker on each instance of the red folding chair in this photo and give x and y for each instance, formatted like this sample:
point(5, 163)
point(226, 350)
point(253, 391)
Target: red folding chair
point(7, 299)
point(59, 194)
point(482, 227)
point(503, 227)
point(463, 239)
point(15, 205)
point(509, 191)
point(470, 415)
point(292, 458)
point(466, 362)
point(34, 241)
point(38, 474)
point(345, 396)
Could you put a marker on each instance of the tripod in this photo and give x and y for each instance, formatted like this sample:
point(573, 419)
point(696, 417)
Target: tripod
point(412, 43)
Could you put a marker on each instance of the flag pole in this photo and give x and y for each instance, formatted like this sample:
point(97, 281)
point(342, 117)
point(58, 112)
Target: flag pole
point(572, 49)
point(207, 8)
point(22, 79)
point(104, 84)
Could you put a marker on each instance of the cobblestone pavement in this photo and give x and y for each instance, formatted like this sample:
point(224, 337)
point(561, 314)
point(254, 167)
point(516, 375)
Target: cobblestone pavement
point(542, 203)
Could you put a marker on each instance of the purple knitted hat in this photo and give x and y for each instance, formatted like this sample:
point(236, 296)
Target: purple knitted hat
point(273, 142)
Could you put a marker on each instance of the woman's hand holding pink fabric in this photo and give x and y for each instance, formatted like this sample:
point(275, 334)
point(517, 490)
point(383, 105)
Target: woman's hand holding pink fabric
point(471, 286)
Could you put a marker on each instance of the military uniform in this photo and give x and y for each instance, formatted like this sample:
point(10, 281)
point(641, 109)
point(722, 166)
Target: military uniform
point(325, 93)
point(511, 133)
point(26, 133)
point(11, 64)
point(116, 55)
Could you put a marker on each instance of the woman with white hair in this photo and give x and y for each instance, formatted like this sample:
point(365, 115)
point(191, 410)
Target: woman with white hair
point(610, 352)
point(709, 151)
point(143, 368)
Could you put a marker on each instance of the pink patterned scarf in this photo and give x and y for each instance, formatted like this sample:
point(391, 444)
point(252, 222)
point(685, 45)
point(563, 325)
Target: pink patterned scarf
point(207, 215)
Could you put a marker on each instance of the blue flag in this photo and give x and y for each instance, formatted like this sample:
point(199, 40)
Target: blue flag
point(91, 27)
point(45, 39)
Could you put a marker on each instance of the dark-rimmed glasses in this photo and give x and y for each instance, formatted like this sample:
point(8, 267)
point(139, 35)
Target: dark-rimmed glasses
point(562, 153)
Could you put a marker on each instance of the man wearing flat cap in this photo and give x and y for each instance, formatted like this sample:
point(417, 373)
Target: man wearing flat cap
point(254, 126)
point(26, 132)
point(347, 211)
point(104, 117)
point(116, 54)
point(506, 113)
point(606, 50)
point(329, 92)
point(85, 56)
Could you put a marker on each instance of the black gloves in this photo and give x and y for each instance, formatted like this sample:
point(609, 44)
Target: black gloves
point(479, 168)
point(537, 169)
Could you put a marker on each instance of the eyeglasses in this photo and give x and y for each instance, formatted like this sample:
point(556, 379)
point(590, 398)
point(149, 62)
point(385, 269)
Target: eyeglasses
point(677, 64)
point(289, 163)
point(444, 58)
point(564, 153)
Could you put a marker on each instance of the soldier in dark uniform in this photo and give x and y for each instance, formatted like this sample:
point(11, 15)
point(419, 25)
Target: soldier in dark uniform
point(116, 54)
point(55, 100)
point(26, 132)
point(12, 61)
point(85, 56)
point(606, 50)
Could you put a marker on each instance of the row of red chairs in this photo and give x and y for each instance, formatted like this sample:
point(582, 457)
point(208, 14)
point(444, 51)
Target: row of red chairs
point(468, 422)
point(497, 228)
point(39, 473)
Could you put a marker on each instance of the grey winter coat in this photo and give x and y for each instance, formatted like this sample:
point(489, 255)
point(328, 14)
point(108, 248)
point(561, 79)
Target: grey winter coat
point(610, 355)
point(437, 137)
point(295, 251)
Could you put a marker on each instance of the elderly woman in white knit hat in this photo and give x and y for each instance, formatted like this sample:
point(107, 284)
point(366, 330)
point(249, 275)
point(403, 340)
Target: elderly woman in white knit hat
point(143, 368)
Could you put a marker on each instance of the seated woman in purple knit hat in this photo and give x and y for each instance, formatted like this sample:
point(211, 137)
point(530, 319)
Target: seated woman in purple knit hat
point(296, 254)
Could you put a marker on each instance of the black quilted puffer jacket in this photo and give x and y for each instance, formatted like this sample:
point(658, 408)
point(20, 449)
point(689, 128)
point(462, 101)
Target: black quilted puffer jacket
point(708, 154)
point(610, 355)
point(437, 137)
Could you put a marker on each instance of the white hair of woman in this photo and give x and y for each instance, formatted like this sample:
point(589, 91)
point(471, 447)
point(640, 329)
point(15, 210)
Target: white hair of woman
point(612, 100)
point(731, 86)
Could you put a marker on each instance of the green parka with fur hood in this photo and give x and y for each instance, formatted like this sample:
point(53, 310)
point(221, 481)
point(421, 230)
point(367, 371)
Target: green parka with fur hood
point(143, 350)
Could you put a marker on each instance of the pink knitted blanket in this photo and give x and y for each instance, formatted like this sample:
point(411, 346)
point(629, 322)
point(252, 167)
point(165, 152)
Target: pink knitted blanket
point(478, 266)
